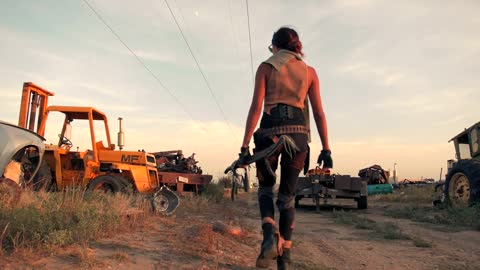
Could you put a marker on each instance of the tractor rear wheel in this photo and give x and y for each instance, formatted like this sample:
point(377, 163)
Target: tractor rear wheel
point(463, 183)
point(107, 184)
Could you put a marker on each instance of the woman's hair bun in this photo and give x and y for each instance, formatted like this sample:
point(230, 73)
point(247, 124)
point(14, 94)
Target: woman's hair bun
point(287, 38)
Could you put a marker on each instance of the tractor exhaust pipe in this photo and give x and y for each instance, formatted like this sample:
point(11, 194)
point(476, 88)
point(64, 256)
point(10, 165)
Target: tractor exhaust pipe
point(121, 135)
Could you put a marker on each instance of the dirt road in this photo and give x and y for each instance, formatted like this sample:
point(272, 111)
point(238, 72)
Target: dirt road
point(188, 241)
point(345, 247)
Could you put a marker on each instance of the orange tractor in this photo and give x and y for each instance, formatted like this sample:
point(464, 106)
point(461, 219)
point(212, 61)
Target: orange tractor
point(99, 168)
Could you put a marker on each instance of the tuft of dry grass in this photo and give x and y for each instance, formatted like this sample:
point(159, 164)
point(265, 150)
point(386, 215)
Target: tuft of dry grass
point(85, 258)
point(51, 220)
point(121, 256)
point(214, 192)
point(420, 242)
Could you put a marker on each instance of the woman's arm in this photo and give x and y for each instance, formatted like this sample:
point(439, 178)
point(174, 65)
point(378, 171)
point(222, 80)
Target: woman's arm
point(318, 114)
point(257, 102)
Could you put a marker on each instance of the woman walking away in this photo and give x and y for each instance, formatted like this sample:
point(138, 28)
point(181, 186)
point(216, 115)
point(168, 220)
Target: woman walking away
point(282, 84)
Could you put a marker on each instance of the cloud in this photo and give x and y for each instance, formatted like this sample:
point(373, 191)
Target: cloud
point(365, 71)
point(156, 56)
point(405, 63)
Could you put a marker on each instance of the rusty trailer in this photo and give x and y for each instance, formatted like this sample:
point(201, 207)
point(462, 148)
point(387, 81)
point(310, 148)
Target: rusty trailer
point(185, 182)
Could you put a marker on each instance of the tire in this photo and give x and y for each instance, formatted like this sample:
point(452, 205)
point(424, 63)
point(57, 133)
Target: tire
point(234, 191)
point(43, 180)
point(246, 182)
point(297, 201)
point(107, 184)
point(362, 202)
point(462, 186)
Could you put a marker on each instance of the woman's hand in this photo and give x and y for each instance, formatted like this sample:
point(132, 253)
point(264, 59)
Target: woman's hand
point(325, 157)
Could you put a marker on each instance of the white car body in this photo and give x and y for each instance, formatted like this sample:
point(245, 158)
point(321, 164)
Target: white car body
point(13, 142)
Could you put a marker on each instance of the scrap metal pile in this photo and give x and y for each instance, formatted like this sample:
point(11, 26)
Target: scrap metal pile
point(375, 175)
point(174, 161)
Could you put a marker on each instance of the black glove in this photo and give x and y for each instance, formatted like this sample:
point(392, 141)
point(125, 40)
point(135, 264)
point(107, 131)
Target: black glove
point(325, 157)
point(243, 156)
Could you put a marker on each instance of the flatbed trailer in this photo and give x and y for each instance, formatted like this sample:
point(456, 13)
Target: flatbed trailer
point(324, 186)
point(185, 182)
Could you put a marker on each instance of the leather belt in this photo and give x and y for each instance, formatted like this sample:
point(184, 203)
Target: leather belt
point(287, 129)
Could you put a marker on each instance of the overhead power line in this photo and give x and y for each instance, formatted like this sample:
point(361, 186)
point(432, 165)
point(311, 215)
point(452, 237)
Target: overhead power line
point(200, 69)
point(140, 61)
point(250, 42)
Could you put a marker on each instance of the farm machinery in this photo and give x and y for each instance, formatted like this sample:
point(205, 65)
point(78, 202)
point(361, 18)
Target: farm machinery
point(102, 167)
point(377, 179)
point(462, 185)
point(319, 185)
point(179, 173)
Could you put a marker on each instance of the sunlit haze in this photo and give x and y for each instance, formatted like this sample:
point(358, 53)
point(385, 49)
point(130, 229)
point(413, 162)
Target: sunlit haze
point(398, 78)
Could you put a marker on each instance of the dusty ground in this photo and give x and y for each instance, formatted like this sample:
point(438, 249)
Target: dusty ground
point(187, 241)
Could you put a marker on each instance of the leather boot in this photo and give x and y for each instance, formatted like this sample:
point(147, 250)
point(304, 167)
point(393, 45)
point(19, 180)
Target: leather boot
point(284, 261)
point(268, 250)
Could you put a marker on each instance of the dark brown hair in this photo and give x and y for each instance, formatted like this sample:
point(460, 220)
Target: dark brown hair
point(287, 38)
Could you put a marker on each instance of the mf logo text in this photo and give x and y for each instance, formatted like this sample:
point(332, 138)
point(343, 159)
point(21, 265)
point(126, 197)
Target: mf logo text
point(130, 158)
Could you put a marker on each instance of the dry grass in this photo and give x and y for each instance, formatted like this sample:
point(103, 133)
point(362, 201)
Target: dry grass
point(51, 220)
point(407, 194)
point(415, 203)
point(450, 218)
point(121, 256)
point(420, 242)
point(380, 230)
point(85, 258)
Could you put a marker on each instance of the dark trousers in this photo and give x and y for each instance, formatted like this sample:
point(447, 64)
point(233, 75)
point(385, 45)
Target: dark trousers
point(289, 171)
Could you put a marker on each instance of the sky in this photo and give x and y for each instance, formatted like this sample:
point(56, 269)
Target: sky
point(398, 79)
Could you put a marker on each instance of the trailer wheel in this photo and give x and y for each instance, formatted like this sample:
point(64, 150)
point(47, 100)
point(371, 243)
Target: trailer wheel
point(107, 184)
point(462, 186)
point(297, 201)
point(362, 202)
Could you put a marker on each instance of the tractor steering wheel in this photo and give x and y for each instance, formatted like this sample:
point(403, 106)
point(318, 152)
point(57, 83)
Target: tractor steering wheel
point(65, 141)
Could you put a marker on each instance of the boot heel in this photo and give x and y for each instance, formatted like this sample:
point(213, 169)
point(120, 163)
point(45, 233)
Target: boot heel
point(268, 251)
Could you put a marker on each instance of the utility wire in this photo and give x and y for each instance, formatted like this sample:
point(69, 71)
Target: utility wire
point(140, 61)
point(250, 42)
point(234, 34)
point(200, 69)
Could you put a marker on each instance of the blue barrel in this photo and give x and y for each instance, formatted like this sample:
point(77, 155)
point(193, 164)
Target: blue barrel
point(380, 189)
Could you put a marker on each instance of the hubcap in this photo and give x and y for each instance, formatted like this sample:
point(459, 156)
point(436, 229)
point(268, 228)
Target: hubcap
point(161, 203)
point(459, 190)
